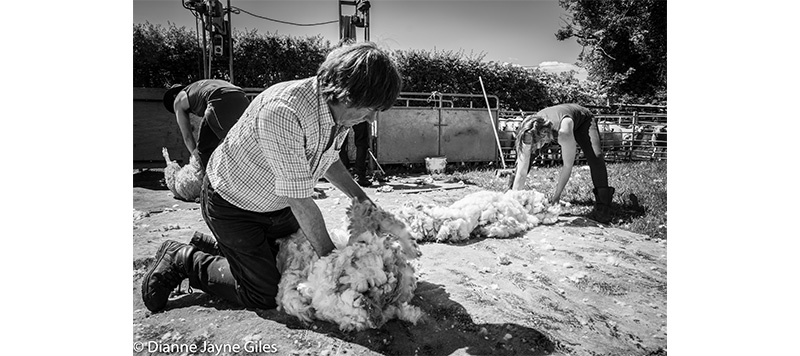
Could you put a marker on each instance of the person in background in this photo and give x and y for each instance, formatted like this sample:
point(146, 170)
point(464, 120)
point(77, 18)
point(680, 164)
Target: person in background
point(361, 140)
point(572, 125)
point(259, 181)
point(218, 102)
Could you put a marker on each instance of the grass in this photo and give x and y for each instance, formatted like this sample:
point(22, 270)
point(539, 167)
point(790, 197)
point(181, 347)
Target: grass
point(640, 201)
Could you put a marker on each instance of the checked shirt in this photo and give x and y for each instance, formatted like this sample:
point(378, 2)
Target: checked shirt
point(278, 149)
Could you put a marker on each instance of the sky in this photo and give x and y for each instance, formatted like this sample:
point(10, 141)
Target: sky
point(520, 32)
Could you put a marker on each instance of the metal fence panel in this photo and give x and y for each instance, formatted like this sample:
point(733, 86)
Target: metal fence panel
point(468, 135)
point(437, 125)
point(407, 135)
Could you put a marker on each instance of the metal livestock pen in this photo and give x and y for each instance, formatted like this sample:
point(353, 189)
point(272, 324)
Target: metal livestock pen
point(627, 133)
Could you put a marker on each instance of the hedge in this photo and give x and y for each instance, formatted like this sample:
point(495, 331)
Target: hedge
point(166, 55)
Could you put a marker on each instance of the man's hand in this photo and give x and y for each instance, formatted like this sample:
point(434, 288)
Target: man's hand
point(310, 219)
point(338, 175)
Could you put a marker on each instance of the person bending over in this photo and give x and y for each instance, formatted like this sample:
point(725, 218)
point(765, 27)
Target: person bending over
point(572, 125)
point(218, 102)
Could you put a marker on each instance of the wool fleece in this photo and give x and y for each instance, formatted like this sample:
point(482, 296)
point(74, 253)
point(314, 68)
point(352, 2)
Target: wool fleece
point(365, 282)
point(485, 213)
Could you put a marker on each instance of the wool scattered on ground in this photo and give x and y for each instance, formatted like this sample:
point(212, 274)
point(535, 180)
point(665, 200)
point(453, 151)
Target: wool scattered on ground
point(485, 213)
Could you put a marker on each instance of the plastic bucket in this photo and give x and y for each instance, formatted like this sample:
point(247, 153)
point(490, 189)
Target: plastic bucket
point(435, 165)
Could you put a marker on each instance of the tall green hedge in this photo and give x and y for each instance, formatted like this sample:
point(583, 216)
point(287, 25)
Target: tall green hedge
point(164, 56)
point(168, 55)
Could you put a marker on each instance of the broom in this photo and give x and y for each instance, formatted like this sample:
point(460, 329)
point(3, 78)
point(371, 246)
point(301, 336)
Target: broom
point(504, 171)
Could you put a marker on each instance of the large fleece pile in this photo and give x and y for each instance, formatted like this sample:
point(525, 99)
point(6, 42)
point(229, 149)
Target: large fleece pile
point(184, 182)
point(485, 213)
point(366, 281)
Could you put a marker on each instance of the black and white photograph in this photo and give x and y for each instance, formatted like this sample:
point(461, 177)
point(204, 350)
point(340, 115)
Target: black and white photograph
point(394, 177)
point(400, 177)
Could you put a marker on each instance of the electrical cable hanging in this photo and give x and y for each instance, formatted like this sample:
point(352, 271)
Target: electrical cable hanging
point(200, 9)
point(284, 22)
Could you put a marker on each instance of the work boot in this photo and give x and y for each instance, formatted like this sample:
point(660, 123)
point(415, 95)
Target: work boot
point(362, 180)
point(602, 204)
point(169, 269)
point(205, 243)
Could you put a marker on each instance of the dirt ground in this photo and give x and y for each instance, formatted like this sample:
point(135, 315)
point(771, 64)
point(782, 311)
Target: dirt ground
point(573, 288)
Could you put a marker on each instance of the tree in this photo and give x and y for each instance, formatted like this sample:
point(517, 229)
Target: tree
point(565, 87)
point(624, 45)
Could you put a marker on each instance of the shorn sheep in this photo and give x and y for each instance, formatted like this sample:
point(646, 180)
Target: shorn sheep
point(366, 281)
point(184, 182)
point(485, 213)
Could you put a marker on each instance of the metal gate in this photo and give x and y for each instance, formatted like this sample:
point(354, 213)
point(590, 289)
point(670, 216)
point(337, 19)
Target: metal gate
point(455, 126)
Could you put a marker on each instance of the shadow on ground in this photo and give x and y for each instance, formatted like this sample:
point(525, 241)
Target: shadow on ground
point(149, 179)
point(445, 328)
point(621, 213)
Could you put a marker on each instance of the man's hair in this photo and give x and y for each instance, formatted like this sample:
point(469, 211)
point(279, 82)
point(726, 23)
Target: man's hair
point(537, 127)
point(360, 76)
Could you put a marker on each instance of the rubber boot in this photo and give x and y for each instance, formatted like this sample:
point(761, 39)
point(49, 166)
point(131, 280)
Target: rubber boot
point(362, 180)
point(169, 269)
point(602, 204)
point(205, 243)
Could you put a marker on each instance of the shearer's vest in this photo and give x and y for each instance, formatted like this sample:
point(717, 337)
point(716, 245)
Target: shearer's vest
point(579, 114)
point(201, 92)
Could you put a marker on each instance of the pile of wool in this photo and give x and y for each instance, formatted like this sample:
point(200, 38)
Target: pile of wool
point(184, 182)
point(366, 281)
point(485, 213)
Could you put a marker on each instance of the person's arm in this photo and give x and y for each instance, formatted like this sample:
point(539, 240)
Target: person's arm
point(523, 164)
point(338, 175)
point(524, 145)
point(566, 139)
point(311, 222)
point(185, 124)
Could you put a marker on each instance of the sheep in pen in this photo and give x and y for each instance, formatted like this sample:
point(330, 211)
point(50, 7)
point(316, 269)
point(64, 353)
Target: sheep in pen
point(646, 141)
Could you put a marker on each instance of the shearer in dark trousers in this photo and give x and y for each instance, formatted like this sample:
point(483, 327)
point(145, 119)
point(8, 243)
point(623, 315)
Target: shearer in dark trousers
point(218, 102)
point(361, 141)
point(573, 125)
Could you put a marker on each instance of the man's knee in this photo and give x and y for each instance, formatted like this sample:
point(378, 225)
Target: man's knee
point(260, 298)
point(265, 302)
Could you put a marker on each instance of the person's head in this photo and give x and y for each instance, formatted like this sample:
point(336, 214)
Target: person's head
point(534, 130)
point(169, 96)
point(359, 76)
